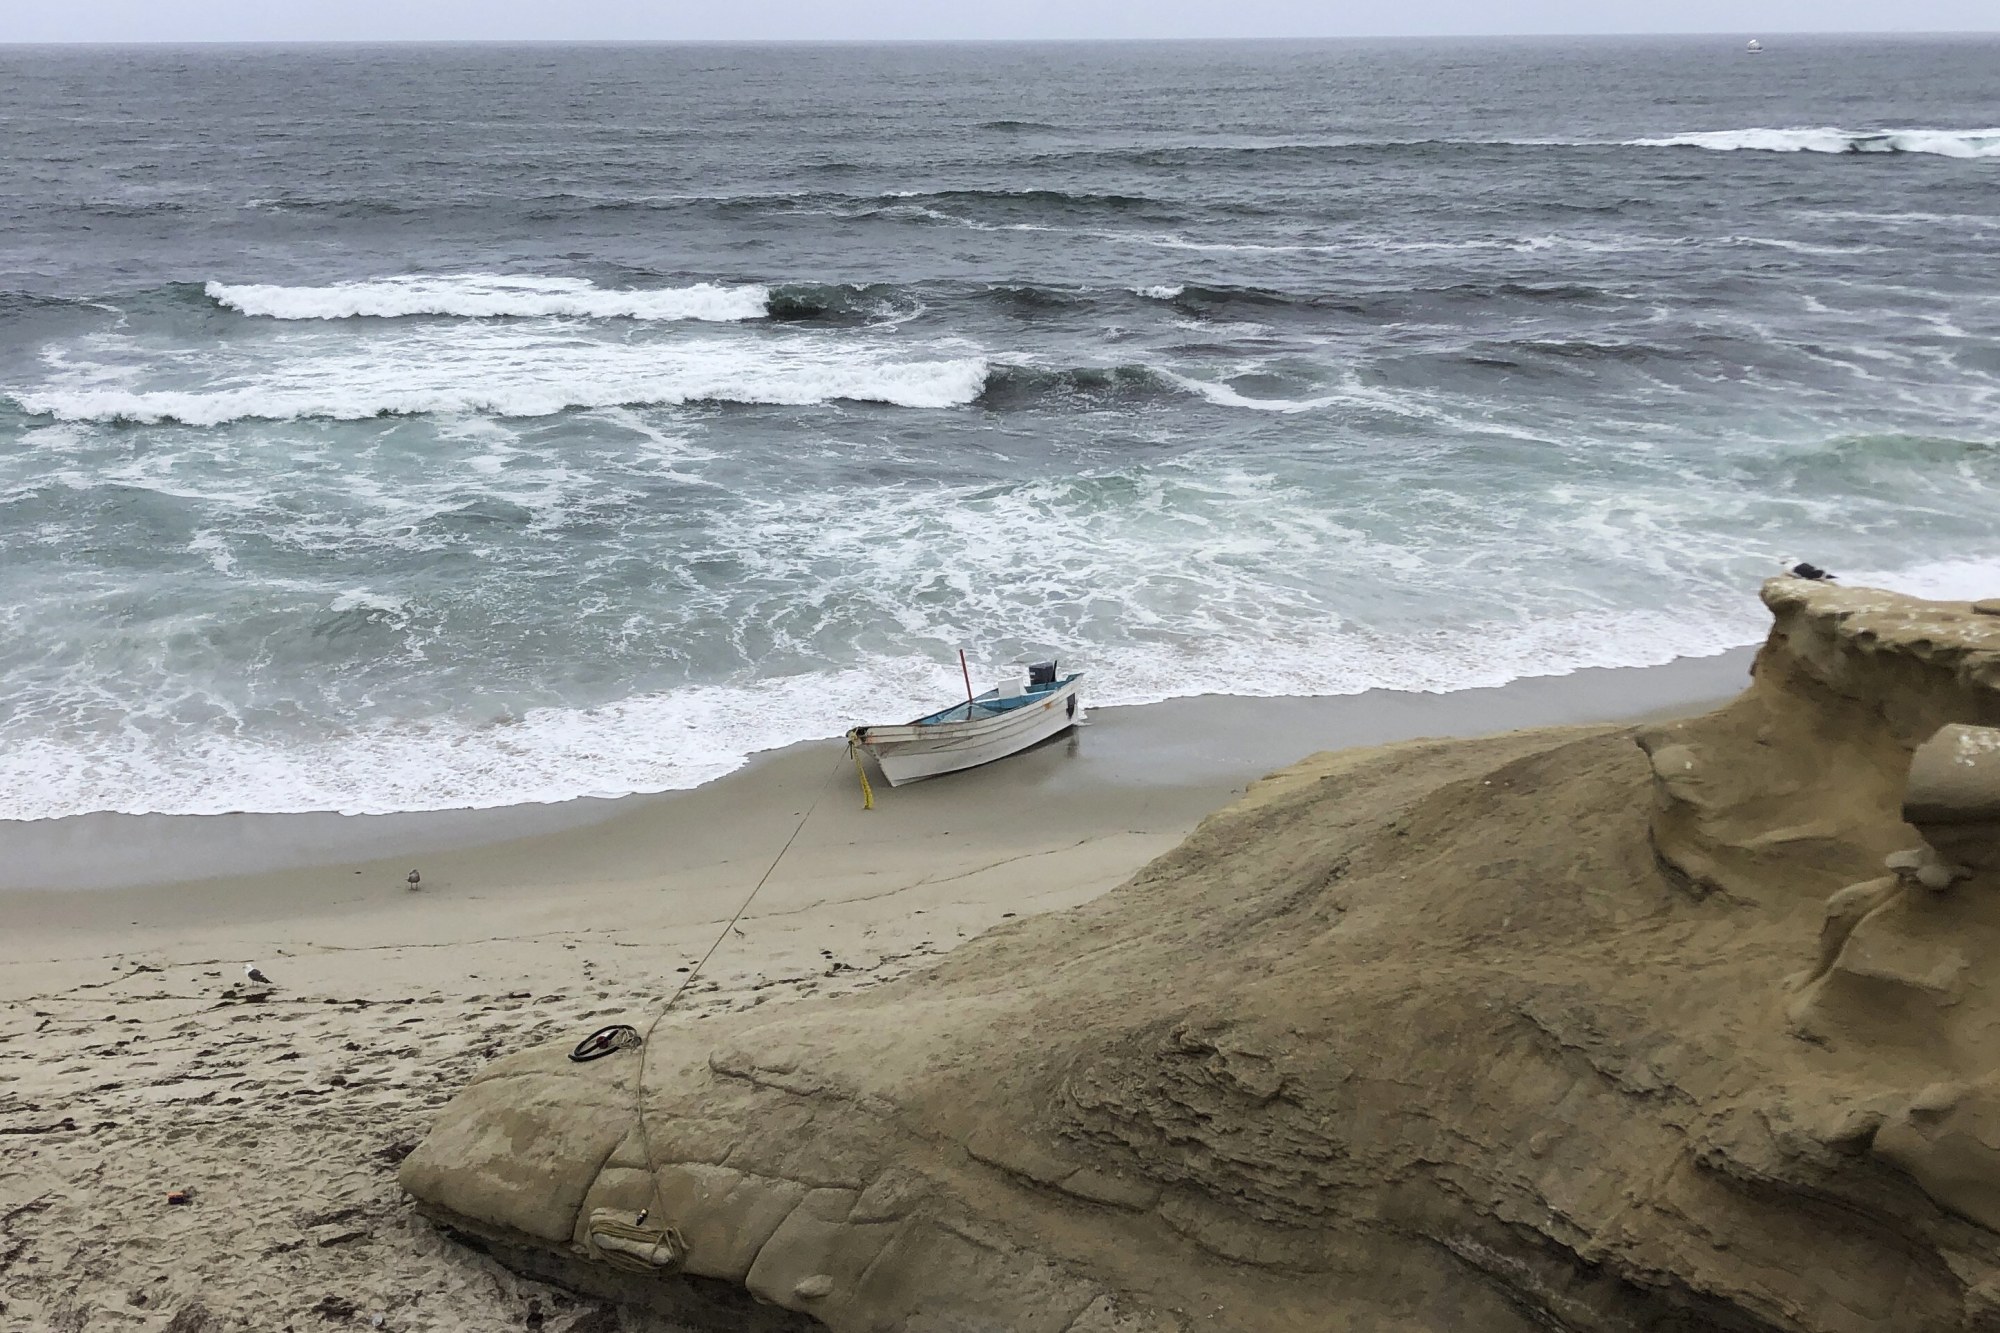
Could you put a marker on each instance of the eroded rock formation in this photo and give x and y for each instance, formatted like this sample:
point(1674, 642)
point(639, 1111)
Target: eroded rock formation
point(1545, 1030)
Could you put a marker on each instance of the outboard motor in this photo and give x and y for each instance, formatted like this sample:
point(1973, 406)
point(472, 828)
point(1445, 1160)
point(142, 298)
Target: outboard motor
point(1041, 675)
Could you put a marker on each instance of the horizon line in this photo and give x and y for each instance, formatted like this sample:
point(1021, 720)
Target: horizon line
point(1808, 35)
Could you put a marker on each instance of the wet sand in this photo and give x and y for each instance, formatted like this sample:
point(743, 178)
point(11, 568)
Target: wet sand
point(135, 1061)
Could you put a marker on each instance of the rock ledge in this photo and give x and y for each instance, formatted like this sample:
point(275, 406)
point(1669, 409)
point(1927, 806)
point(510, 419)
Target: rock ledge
point(1543, 1030)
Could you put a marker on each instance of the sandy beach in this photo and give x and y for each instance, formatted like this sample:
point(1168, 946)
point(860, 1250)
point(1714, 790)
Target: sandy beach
point(137, 1066)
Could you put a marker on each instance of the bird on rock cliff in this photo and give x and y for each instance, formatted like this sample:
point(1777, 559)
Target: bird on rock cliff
point(1799, 569)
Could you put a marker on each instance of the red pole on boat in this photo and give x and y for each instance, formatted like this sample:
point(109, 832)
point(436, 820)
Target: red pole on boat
point(968, 675)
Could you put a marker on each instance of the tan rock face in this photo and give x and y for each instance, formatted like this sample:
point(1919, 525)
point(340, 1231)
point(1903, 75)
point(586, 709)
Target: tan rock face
point(1953, 795)
point(1546, 1030)
point(1948, 1138)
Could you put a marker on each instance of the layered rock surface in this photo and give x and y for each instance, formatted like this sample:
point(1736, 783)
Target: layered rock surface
point(1544, 1030)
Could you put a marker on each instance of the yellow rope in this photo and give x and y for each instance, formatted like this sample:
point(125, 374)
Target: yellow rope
point(867, 792)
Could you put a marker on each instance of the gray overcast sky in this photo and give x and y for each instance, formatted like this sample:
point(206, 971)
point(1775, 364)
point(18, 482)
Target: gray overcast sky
point(669, 20)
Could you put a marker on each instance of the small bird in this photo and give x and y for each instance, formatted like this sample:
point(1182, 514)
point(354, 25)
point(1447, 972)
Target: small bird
point(250, 970)
point(1801, 570)
point(414, 880)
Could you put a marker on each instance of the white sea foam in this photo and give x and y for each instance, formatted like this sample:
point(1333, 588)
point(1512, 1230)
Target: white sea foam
point(213, 547)
point(694, 735)
point(1161, 292)
point(1203, 609)
point(360, 599)
point(520, 370)
point(1174, 241)
point(1942, 580)
point(490, 296)
point(1802, 247)
point(1828, 139)
point(1222, 395)
point(1798, 139)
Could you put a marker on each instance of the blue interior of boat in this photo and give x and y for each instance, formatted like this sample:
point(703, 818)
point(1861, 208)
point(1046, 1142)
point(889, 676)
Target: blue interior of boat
point(990, 704)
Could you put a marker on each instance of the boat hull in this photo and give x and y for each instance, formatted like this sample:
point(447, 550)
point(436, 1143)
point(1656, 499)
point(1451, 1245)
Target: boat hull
point(911, 753)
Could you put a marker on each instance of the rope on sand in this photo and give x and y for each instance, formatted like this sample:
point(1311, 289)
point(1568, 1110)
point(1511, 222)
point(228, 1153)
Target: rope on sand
point(645, 1042)
point(860, 771)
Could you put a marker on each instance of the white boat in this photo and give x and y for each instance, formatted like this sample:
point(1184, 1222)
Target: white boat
point(1754, 47)
point(991, 726)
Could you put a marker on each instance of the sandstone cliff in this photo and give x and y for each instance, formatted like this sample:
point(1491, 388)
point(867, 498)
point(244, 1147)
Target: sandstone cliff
point(1545, 1030)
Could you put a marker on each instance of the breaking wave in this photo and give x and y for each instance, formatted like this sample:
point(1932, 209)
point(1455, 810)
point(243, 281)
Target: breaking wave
point(1050, 199)
point(1011, 388)
point(486, 296)
point(1827, 139)
point(608, 379)
point(1979, 143)
point(528, 381)
point(842, 302)
point(490, 296)
point(1018, 387)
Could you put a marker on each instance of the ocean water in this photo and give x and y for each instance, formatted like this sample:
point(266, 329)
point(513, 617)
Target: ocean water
point(404, 428)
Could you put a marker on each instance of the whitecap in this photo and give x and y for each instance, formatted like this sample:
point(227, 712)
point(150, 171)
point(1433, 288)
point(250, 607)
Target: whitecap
point(213, 546)
point(491, 296)
point(361, 599)
point(1829, 139)
point(1222, 395)
point(505, 371)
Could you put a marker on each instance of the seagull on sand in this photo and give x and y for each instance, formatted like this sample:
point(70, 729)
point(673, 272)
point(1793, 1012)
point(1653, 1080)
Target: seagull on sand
point(414, 880)
point(251, 971)
point(1799, 569)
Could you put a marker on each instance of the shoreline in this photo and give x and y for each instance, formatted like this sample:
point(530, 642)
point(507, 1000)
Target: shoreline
point(135, 1060)
point(1203, 747)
